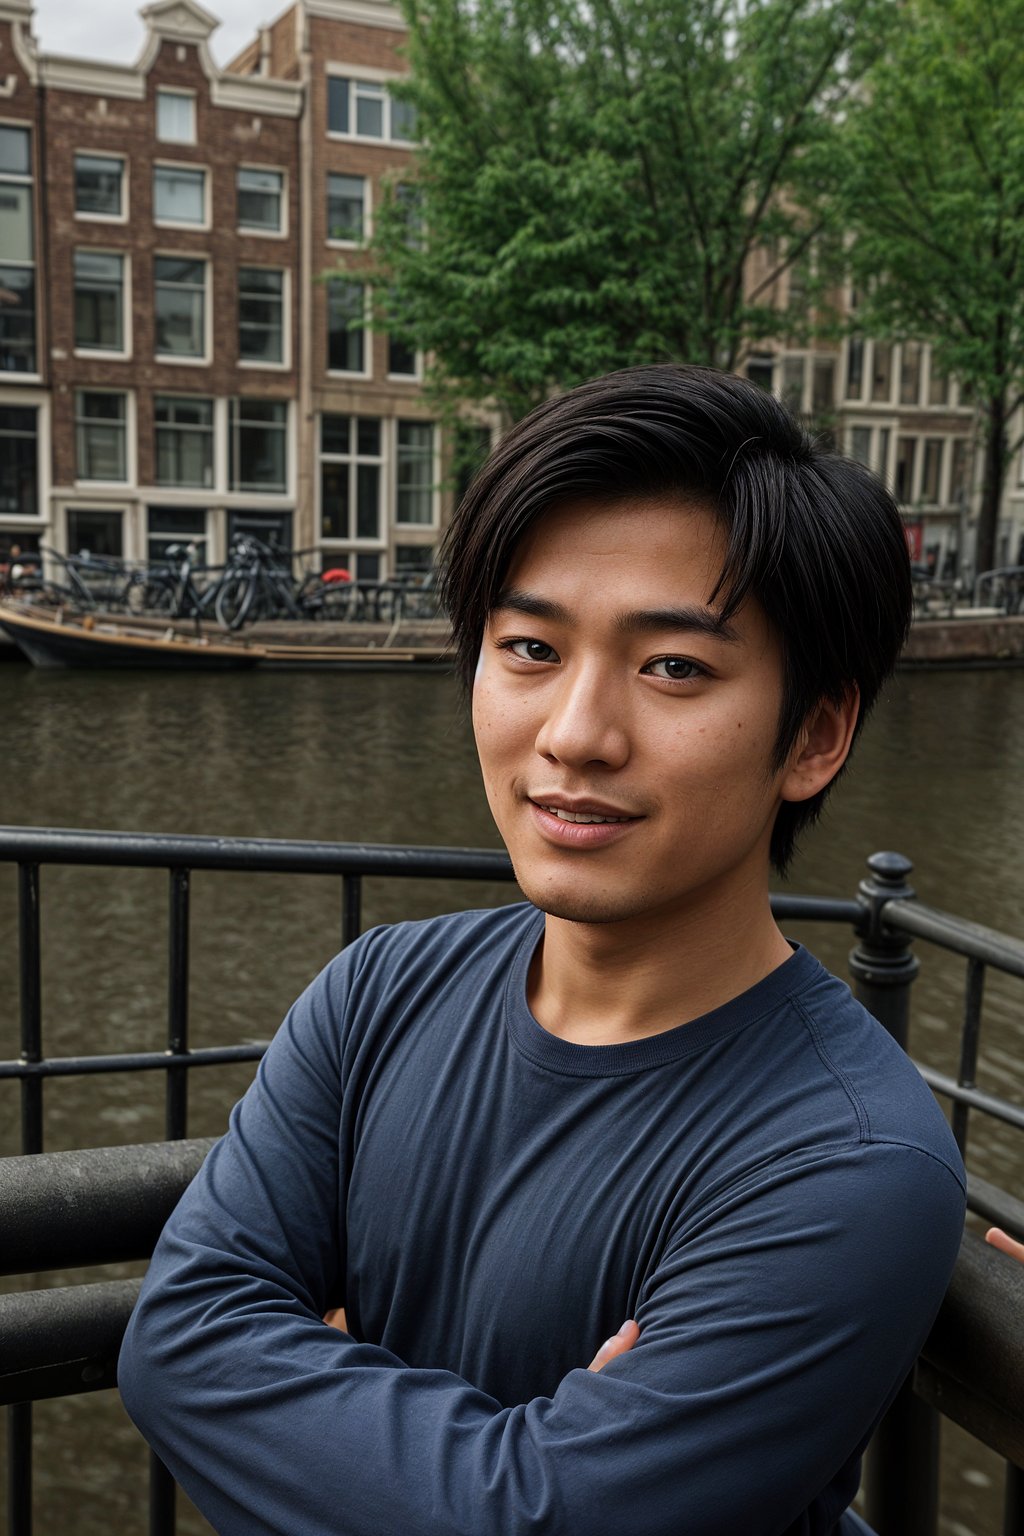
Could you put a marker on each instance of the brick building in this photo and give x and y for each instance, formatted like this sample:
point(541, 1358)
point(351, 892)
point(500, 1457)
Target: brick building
point(173, 364)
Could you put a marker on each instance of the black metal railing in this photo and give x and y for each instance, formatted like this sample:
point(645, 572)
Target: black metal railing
point(61, 1210)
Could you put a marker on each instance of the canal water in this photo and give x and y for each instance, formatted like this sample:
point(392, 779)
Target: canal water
point(383, 758)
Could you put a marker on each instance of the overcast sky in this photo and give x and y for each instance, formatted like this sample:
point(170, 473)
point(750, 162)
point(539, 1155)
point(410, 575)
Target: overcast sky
point(111, 29)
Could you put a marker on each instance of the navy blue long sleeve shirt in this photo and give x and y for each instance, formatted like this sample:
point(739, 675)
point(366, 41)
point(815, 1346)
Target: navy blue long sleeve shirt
point(770, 1190)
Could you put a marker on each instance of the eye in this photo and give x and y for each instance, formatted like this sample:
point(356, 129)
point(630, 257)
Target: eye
point(675, 669)
point(529, 650)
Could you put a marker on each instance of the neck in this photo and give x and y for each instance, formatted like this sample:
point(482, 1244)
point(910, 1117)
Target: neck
point(606, 983)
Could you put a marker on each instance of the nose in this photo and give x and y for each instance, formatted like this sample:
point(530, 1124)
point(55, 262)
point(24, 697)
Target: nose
point(584, 721)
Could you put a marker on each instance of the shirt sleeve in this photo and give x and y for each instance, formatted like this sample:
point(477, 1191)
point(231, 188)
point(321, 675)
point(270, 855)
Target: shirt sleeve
point(778, 1322)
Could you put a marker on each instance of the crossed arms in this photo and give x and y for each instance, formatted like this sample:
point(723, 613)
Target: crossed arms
point(772, 1332)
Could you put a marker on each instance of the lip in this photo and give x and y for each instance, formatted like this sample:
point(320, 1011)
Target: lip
point(575, 834)
point(578, 805)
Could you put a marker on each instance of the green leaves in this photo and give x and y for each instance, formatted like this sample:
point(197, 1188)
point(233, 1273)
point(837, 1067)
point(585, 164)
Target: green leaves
point(930, 183)
point(595, 174)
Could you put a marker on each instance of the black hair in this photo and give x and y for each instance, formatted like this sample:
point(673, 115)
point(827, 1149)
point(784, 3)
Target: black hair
point(814, 537)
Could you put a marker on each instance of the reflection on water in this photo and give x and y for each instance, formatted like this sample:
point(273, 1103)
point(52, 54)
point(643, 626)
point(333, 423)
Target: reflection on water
point(380, 758)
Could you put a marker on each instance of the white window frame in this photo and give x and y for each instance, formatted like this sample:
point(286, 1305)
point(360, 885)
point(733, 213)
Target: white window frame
point(181, 93)
point(26, 179)
point(104, 218)
point(416, 377)
point(353, 459)
point(435, 488)
point(126, 304)
point(350, 245)
point(183, 165)
point(366, 372)
point(18, 399)
point(240, 496)
point(178, 359)
point(130, 461)
point(171, 493)
point(250, 231)
point(357, 75)
point(286, 331)
point(875, 427)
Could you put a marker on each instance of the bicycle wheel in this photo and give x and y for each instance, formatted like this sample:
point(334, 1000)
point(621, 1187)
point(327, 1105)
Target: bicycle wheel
point(234, 601)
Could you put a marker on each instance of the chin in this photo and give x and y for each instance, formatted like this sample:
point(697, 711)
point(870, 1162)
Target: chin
point(584, 906)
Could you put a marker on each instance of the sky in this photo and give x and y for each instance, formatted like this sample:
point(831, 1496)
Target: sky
point(112, 30)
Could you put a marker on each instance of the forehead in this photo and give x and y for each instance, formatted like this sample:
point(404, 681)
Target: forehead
point(667, 546)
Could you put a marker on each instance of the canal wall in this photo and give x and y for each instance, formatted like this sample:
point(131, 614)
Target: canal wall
point(965, 642)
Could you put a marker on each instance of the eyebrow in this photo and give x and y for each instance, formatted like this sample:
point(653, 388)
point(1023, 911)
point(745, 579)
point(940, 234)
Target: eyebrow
point(691, 618)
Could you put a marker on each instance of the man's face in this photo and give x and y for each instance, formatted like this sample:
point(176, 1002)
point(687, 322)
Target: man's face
point(625, 735)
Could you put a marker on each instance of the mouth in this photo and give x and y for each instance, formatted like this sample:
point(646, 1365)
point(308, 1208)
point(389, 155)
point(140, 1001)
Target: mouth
point(582, 818)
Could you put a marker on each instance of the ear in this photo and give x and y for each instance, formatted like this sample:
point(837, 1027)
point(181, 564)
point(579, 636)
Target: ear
point(821, 749)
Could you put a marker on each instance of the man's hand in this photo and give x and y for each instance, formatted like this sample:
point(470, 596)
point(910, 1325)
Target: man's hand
point(1006, 1244)
point(616, 1345)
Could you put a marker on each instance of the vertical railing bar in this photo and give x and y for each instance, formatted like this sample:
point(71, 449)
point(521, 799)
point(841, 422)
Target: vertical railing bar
point(19, 1469)
point(30, 990)
point(19, 1416)
point(176, 1102)
point(1013, 1504)
point(970, 1038)
point(163, 1497)
point(351, 908)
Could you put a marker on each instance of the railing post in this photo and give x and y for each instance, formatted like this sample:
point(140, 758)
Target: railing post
point(176, 1106)
point(902, 1463)
point(881, 963)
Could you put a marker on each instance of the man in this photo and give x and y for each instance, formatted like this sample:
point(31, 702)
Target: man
point(495, 1139)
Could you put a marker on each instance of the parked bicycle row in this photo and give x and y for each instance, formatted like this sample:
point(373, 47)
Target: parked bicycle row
point(257, 582)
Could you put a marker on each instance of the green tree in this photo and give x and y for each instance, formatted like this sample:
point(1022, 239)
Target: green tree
point(595, 174)
point(931, 177)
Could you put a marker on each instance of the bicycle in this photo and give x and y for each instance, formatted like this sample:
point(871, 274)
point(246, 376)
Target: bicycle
point(259, 586)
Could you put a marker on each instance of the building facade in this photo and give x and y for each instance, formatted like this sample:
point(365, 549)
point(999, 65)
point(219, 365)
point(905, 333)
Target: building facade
point(176, 366)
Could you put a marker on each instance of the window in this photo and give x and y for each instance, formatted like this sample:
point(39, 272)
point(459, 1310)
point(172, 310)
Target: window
point(906, 453)
point(403, 120)
point(403, 361)
point(350, 477)
point(175, 117)
point(365, 109)
point(274, 528)
point(180, 306)
point(472, 445)
point(99, 301)
point(860, 445)
point(17, 319)
point(17, 253)
point(823, 386)
point(260, 315)
point(910, 372)
point(761, 371)
point(184, 440)
point(881, 377)
point(414, 559)
point(179, 195)
point(257, 445)
point(175, 525)
point(346, 336)
point(414, 500)
point(793, 370)
point(855, 368)
point(100, 435)
point(19, 461)
point(95, 533)
point(959, 473)
point(931, 473)
point(260, 201)
point(346, 208)
point(99, 186)
point(938, 385)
